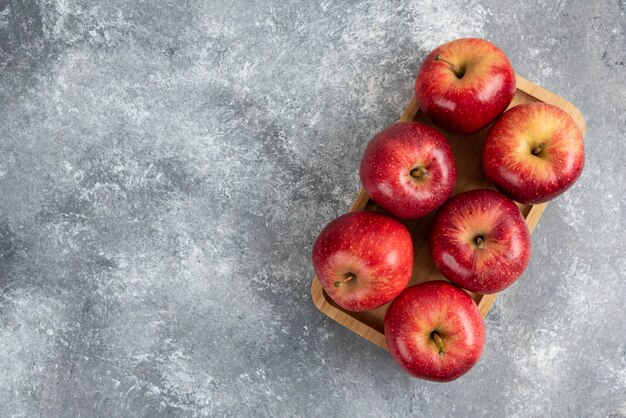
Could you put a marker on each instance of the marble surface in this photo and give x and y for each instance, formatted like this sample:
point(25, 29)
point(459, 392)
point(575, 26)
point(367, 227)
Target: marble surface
point(166, 166)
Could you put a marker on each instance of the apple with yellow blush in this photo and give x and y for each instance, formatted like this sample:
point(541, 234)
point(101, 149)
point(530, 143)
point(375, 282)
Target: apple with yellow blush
point(533, 153)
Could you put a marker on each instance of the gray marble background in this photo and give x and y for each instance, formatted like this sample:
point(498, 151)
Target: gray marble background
point(166, 166)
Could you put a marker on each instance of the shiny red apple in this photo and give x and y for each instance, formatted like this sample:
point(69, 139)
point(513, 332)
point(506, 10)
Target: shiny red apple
point(434, 331)
point(363, 260)
point(464, 85)
point(533, 153)
point(408, 169)
point(479, 240)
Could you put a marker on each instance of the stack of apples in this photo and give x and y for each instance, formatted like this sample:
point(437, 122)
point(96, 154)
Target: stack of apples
point(478, 239)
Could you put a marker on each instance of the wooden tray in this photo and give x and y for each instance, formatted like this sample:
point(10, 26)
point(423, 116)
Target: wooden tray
point(467, 150)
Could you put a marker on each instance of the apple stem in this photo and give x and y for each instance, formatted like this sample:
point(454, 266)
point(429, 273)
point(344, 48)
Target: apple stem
point(538, 149)
point(439, 341)
point(480, 242)
point(457, 71)
point(419, 172)
point(349, 277)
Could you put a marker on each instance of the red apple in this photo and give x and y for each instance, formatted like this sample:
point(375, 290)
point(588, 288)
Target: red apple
point(533, 153)
point(408, 169)
point(434, 331)
point(363, 260)
point(464, 85)
point(480, 241)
